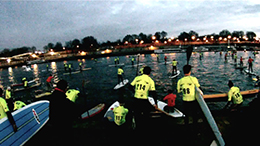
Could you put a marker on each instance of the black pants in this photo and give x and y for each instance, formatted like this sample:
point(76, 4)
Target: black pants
point(191, 109)
point(120, 78)
point(142, 109)
point(250, 67)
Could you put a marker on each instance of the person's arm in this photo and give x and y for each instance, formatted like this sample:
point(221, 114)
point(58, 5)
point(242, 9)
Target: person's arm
point(229, 99)
point(154, 95)
point(11, 120)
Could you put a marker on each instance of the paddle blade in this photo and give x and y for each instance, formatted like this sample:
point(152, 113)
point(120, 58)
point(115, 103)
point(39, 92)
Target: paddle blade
point(188, 53)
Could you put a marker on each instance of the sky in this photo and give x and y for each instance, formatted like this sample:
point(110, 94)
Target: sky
point(37, 22)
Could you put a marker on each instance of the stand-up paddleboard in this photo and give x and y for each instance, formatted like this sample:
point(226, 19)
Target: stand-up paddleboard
point(167, 62)
point(76, 72)
point(161, 105)
point(174, 76)
point(121, 64)
point(29, 82)
point(30, 87)
point(43, 94)
point(121, 84)
point(109, 113)
point(29, 120)
point(249, 72)
point(209, 117)
point(92, 112)
point(135, 65)
point(240, 67)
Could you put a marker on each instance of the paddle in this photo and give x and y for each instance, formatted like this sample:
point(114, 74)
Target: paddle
point(188, 53)
point(138, 55)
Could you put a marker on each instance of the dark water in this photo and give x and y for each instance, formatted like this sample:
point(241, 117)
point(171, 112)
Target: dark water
point(212, 72)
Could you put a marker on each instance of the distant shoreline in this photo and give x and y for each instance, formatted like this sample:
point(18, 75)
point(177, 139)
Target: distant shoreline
point(130, 51)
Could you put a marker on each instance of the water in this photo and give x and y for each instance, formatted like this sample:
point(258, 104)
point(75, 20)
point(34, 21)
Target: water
point(212, 72)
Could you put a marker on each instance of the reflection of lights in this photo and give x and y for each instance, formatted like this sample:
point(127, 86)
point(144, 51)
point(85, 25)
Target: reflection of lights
point(52, 53)
point(83, 53)
point(10, 72)
point(34, 56)
point(8, 60)
point(35, 70)
point(83, 60)
point(54, 66)
point(108, 57)
point(152, 48)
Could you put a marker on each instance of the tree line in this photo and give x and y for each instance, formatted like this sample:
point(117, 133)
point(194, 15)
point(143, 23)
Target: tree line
point(90, 43)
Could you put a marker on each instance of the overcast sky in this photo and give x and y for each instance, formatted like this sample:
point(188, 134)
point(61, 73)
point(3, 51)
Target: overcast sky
point(37, 23)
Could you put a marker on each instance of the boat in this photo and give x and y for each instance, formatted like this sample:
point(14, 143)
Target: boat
point(224, 96)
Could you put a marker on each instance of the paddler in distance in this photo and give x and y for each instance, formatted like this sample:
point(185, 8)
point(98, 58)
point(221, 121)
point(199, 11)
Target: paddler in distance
point(143, 85)
point(120, 73)
point(234, 96)
point(250, 63)
point(187, 85)
point(174, 66)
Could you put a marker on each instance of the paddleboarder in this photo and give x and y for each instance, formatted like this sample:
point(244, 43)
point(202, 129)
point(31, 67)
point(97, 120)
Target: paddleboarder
point(143, 86)
point(186, 86)
point(4, 111)
point(48, 82)
point(120, 73)
point(250, 63)
point(234, 96)
point(171, 101)
point(174, 66)
point(120, 113)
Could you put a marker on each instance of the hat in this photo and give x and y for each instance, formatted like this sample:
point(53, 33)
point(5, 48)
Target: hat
point(8, 88)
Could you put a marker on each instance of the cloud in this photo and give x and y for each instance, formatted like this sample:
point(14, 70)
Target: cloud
point(36, 23)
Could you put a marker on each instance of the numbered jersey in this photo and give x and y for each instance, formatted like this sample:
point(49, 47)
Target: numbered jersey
point(120, 114)
point(186, 85)
point(143, 84)
point(235, 95)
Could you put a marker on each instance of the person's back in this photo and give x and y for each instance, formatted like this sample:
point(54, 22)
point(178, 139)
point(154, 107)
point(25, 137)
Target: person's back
point(18, 105)
point(142, 85)
point(170, 99)
point(186, 85)
point(235, 95)
point(120, 114)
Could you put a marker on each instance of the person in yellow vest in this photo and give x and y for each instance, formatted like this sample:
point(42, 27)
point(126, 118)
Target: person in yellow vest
point(174, 66)
point(234, 96)
point(143, 86)
point(65, 66)
point(8, 97)
point(18, 104)
point(120, 113)
point(186, 86)
point(133, 59)
point(25, 82)
point(80, 66)
point(69, 66)
point(4, 111)
point(72, 94)
point(120, 73)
